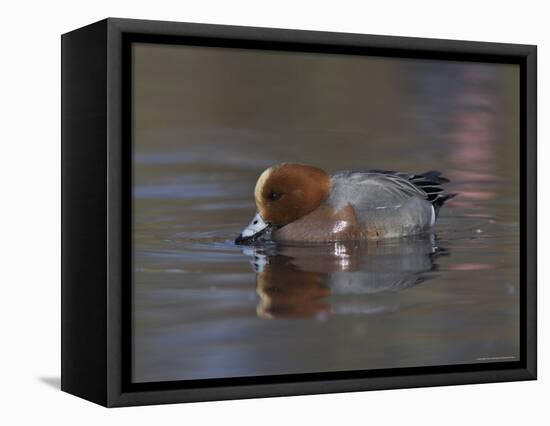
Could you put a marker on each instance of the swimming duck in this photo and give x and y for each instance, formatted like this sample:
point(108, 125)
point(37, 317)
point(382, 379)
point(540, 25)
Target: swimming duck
point(302, 203)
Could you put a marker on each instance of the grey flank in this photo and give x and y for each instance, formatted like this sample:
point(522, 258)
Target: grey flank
point(388, 200)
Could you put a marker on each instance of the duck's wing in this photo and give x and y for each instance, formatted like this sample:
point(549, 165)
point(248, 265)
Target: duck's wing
point(383, 188)
point(430, 182)
point(373, 189)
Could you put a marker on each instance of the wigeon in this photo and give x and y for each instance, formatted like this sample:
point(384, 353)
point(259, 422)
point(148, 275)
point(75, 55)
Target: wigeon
point(301, 203)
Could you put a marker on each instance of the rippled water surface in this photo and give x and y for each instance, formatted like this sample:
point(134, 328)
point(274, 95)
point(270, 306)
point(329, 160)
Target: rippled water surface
point(208, 121)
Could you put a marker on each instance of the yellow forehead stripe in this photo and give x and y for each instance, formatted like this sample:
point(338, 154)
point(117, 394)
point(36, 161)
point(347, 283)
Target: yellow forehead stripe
point(260, 185)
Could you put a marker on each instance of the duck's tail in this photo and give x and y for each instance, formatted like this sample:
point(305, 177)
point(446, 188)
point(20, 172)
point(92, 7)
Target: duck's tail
point(431, 183)
point(440, 200)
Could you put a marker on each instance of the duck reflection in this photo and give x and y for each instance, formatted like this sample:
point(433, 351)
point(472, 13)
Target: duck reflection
point(303, 281)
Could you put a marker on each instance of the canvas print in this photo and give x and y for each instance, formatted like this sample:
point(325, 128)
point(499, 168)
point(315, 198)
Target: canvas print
point(298, 212)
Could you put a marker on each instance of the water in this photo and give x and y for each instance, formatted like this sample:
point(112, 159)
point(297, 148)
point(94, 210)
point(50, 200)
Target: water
point(208, 121)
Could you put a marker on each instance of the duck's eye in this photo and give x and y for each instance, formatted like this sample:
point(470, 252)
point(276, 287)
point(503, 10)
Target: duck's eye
point(274, 196)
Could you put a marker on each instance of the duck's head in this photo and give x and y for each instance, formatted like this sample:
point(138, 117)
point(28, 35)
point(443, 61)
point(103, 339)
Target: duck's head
point(283, 194)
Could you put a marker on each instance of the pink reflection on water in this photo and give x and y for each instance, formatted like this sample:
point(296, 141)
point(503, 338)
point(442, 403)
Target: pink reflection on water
point(471, 266)
point(473, 140)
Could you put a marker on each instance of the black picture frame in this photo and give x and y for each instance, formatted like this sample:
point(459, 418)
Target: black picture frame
point(96, 212)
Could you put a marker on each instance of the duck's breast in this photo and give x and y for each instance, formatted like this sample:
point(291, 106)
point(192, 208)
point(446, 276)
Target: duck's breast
point(323, 224)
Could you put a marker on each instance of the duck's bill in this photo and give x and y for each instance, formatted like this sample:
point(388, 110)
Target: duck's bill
point(257, 230)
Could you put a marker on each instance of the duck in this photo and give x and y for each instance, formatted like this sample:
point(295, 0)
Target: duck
point(302, 203)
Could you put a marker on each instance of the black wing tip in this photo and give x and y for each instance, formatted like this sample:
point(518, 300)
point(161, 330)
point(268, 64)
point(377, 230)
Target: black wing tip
point(431, 183)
